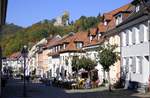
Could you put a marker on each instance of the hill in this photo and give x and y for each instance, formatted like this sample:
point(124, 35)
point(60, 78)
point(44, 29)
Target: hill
point(13, 37)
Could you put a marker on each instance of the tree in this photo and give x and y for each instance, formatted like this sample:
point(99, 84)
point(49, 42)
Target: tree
point(107, 57)
point(85, 63)
point(75, 65)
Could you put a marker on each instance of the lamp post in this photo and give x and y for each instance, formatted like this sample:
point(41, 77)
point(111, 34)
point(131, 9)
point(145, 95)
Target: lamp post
point(24, 53)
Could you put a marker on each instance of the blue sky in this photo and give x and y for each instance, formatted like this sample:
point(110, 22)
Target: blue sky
point(28, 12)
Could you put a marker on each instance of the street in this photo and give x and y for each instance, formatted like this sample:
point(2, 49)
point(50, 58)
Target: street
point(14, 89)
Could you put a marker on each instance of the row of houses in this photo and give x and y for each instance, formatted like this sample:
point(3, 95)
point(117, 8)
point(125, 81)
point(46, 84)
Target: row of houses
point(127, 27)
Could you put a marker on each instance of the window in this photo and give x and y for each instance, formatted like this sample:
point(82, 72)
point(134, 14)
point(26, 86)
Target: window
point(131, 62)
point(133, 66)
point(137, 8)
point(145, 32)
point(61, 47)
point(79, 44)
point(99, 35)
point(124, 61)
point(141, 32)
point(56, 49)
point(91, 38)
point(123, 38)
point(133, 35)
point(139, 64)
point(123, 65)
point(137, 36)
point(118, 19)
point(127, 65)
point(105, 22)
point(129, 37)
point(65, 45)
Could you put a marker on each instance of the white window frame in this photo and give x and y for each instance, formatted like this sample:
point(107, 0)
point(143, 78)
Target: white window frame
point(139, 64)
point(118, 19)
point(137, 35)
point(137, 8)
point(124, 39)
point(146, 33)
point(129, 33)
point(79, 45)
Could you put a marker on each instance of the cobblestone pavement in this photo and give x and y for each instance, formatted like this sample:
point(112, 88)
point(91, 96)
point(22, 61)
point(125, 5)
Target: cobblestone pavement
point(14, 89)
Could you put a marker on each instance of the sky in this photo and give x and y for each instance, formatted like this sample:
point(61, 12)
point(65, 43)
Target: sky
point(27, 12)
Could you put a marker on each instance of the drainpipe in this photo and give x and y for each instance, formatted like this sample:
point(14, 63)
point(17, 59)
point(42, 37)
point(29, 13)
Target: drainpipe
point(149, 41)
point(149, 48)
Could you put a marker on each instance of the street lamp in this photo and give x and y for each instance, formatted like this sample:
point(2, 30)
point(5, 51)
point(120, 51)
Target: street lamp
point(24, 53)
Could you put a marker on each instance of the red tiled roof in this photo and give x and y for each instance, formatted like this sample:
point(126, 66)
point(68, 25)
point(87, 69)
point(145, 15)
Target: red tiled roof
point(101, 27)
point(15, 55)
point(93, 31)
point(84, 36)
point(77, 37)
point(107, 16)
point(112, 24)
point(123, 8)
point(81, 36)
point(54, 41)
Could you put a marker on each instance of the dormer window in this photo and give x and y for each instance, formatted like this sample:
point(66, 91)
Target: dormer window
point(118, 19)
point(99, 35)
point(65, 45)
point(105, 23)
point(91, 38)
point(58, 47)
point(137, 8)
point(79, 45)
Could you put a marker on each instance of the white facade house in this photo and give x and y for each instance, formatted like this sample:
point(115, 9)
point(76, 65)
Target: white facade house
point(61, 53)
point(135, 52)
point(15, 62)
point(135, 49)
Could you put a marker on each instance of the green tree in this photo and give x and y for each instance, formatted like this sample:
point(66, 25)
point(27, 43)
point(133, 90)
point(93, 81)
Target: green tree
point(75, 63)
point(107, 57)
point(85, 63)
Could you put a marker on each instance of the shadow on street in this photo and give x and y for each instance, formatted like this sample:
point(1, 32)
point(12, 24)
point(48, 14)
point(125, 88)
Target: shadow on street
point(14, 89)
